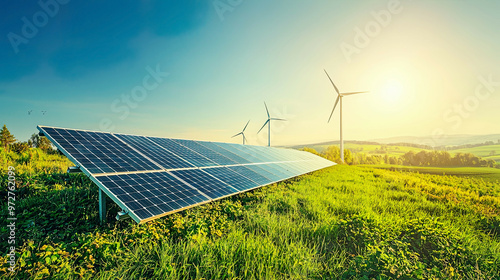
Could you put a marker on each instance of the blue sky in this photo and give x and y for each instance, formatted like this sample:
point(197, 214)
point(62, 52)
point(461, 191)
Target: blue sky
point(202, 69)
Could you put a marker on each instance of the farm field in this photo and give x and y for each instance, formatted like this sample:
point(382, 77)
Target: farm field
point(485, 173)
point(343, 222)
point(482, 151)
point(372, 149)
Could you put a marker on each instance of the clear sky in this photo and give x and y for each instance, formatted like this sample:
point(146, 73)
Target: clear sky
point(202, 69)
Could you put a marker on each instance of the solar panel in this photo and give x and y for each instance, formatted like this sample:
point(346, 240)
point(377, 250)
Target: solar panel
point(150, 177)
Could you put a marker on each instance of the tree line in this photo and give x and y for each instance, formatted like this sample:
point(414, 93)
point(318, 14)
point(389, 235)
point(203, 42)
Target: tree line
point(443, 158)
point(9, 143)
point(422, 158)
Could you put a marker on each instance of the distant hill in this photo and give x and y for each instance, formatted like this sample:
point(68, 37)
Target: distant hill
point(445, 140)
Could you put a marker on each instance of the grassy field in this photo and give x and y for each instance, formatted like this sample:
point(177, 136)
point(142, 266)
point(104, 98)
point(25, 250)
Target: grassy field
point(485, 173)
point(482, 151)
point(343, 222)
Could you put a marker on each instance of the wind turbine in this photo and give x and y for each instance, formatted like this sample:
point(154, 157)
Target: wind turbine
point(339, 97)
point(243, 133)
point(268, 122)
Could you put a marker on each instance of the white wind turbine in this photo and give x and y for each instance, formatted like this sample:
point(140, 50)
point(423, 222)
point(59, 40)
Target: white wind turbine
point(339, 97)
point(268, 122)
point(242, 133)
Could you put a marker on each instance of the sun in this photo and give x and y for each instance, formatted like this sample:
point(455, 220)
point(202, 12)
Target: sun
point(392, 91)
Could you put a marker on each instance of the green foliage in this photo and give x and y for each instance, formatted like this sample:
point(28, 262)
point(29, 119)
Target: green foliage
point(344, 222)
point(20, 148)
point(443, 158)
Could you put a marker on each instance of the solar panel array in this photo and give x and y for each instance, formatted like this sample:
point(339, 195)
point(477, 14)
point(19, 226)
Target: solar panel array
point(151, 177)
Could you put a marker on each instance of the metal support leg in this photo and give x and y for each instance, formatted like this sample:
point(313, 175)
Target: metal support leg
point(102, 206)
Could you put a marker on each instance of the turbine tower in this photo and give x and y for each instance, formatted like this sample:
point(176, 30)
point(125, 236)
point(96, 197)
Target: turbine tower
point(268, 122)
point(242, 133)
point(339, 97)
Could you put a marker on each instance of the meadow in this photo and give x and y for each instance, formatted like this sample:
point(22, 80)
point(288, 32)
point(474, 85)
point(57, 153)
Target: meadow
point(343, 222)
point(485, 173)
point(372, 149)
point(486, 152)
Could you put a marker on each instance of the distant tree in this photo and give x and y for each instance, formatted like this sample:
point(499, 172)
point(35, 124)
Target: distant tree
point(6, 138)
point(332, 153)
point(310, 150)
point(347, 156)
point(40, 142)
point(492, 153)
point(408, 158)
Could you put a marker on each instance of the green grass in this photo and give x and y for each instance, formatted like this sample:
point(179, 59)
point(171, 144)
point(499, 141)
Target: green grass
point(485, 173)
point(481, 151)
point(343, 222)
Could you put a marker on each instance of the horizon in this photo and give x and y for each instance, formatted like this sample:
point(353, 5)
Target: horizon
point(201, 69)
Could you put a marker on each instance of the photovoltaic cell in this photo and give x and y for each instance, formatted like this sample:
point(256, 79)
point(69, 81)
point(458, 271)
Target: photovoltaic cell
point(151, 177)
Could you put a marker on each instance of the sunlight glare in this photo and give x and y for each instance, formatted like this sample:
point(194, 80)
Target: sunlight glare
point(392, 91)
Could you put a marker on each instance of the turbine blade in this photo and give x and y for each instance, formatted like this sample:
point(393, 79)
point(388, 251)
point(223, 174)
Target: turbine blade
point(349, 93)
point(334, 106)
point(263, 126)
point(236, 135)
point(244, 138)
point(268, 116)
point(246, 125)
point(336, 89)
point(276, 119)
